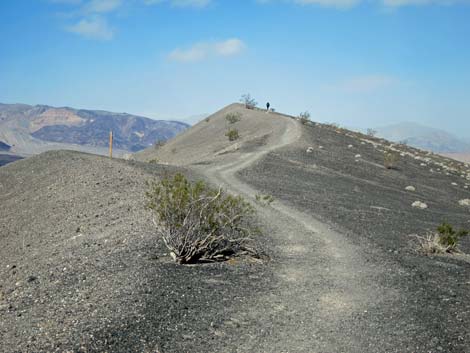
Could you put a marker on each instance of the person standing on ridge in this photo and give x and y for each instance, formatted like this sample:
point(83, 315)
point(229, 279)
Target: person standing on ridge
point(267, 107)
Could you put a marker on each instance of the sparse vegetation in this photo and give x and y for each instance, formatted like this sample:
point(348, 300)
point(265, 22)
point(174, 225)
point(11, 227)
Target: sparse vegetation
point(403, 142)
point(264, 200)
point(334, 126)
point(450, 237)
point(198, 223)
point(429, 244)
point(207, 120)
point(391, 159)
point(445, 240)
point(153, 161)
point(233, 118)
point(232, 134)
point(304, 117)
point(249, 102)
point(159, 144)
point(371, 132)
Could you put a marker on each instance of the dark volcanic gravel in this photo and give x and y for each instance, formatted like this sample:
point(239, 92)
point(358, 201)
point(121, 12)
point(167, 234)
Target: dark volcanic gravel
point(369, 204)
point(81, 269)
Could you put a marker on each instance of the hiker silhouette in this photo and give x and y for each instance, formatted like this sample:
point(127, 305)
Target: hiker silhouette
point(267, 106)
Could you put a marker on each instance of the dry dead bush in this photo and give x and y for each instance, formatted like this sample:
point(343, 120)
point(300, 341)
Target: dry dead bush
point(250, 103)
point(429, 244)
point(304, 117)
point(445, 240)
point(198, 223)
point(391, 159)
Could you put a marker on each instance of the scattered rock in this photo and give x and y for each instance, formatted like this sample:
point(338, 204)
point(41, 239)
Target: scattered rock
point(454, 184)
point(350, 146)
point(464, 202)
point(31, 279)
point(357, 156)
point(419, 204)
point(410, 188)
point(310, 150)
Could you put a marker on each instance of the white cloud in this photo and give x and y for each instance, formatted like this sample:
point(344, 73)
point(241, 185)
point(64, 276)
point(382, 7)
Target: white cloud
point(180, 3)
point(329, 3)
point(204, 50)
point(67, 2)
point(401, 3)
point(346, 4)
point(229, 47)
point(367, 83)
point(102, 6)
point(95, 27)
point(196, 53)
point(342, 4)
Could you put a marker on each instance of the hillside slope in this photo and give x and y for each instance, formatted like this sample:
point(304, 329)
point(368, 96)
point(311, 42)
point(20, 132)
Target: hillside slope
point(82, 269)
point(35, 129)
point(348, 274)
point(338, 177)
point(206, 142)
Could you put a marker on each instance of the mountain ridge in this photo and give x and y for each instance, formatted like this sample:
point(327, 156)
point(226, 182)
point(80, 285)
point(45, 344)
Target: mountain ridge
point(424, 137)
point(32, 129)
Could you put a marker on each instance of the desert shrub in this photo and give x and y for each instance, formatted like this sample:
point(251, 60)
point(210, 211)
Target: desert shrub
point(445, 240)
point(333, 126)
point(232, 134)
point(371, 132)
point(233, 118)
point(264, 200)
point(304, 117)
point(159, 144)
point(450, 237)
point(153, 161)
point(199, 223)
point(391, 159)
point(249, 102)
point(207, 120)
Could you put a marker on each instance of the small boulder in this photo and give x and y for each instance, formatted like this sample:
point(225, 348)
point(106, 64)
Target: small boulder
point(357, 156)
point(410, 188)
point(419, 204)
point(464, 202)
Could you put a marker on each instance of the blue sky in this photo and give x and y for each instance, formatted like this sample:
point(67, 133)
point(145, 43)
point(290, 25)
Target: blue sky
point(355, 62)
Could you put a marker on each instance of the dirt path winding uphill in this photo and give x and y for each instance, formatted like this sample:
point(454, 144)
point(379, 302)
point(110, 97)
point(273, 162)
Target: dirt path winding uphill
point(328, 297)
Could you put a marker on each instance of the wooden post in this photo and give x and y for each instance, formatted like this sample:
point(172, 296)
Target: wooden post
point(110, 144)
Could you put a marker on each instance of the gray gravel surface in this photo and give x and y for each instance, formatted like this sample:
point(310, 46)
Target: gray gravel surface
point(82, 271)
point(413, 303)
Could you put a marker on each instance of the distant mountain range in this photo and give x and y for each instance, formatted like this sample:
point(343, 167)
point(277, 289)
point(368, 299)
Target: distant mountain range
point(424, 137)
point(34, 129)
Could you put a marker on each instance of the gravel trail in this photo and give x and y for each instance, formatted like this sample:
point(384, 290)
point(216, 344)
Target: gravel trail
point(327, 292)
